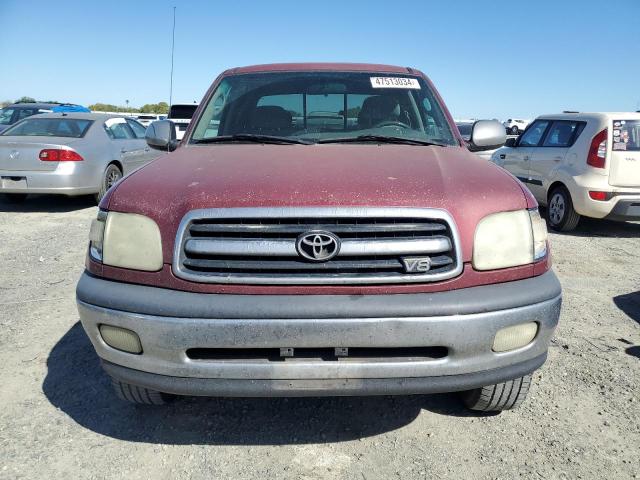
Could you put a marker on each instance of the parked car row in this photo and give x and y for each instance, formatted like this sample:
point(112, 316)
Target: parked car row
point(14, 113)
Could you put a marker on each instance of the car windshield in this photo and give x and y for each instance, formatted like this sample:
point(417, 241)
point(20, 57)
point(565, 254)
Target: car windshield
point(50, 127)
point(324, 107)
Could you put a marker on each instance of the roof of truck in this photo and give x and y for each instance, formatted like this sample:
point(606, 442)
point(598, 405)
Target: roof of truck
point(314, 67)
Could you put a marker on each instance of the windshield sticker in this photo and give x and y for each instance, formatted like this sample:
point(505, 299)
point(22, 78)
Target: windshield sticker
point(625, 135)
point(395, 82)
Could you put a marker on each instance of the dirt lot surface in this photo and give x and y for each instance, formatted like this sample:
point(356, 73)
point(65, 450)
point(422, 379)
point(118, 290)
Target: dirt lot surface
point(59, 418)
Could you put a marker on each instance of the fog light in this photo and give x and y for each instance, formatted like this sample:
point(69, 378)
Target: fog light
point(513, 337)
point(121, 339)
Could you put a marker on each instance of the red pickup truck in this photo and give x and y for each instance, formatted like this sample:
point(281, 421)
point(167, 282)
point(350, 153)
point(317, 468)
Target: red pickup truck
point(321, 229)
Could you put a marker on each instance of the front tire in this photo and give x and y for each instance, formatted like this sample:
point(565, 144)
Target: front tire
point(139, 395)
point(560, 212)
point(14, 198)
point(111, 176)
point(498, 397)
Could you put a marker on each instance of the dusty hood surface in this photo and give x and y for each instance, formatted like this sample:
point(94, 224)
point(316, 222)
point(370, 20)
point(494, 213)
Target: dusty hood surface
point(241, 175)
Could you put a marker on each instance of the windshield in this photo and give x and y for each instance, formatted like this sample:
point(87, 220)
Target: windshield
point(50, 127)
point(321, 107)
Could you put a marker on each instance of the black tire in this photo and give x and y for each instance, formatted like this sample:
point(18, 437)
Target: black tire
point(515, 130)
point(13, 198)
point(560, 212)
point(139, 395)
point(111, 175)
point(495, 398)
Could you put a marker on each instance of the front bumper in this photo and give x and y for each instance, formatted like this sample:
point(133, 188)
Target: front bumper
point(463, 321)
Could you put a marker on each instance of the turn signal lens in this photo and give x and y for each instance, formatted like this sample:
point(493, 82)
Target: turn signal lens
point(513, 337)
point(59, 155)
point(121, 339)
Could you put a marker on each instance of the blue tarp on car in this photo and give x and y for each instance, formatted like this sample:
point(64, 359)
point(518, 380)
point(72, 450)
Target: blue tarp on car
point(67, 107)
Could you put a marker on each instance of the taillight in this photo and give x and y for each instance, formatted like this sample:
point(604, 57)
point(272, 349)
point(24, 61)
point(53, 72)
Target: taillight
point(598, 150)
point(59, 155)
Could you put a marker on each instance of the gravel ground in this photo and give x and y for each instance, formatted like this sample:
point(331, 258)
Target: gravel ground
point(59, 418)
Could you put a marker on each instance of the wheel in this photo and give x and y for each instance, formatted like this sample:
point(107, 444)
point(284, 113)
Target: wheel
point(110, 177)
point(515, 130)
point(139, 395)
point(14, 197)
point(495, 398)
point(560, 212)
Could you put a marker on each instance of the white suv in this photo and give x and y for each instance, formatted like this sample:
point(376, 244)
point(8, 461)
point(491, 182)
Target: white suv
point(579, 164)
point(515, 126)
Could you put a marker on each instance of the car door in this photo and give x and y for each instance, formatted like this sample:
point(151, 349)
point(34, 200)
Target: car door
point(125, 145)
point(517, 162)
point(550, 154)
point(516, 159)
point(146, 154)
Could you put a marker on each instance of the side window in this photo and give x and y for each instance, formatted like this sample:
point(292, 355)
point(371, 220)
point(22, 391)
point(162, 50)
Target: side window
point(138, 130)
point(562, 134)
point(118, 129)
point(5, 116)
point(24, 113)
point(534, 133)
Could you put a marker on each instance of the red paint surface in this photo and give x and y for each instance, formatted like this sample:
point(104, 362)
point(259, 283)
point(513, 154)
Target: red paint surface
point(250, 175)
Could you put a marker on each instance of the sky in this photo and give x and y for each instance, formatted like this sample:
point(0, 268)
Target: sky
point(487, 58)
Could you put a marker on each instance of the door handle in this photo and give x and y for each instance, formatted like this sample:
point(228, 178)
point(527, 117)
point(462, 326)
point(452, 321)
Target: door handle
point(527, 158)
point(147, 149)
point(123, 150)
point(557, 159)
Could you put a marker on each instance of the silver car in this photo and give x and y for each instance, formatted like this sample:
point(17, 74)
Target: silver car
point(70, 154)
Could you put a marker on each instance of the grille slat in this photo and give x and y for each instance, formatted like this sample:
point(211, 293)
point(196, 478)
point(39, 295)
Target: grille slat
point(377, 245)
point(301, 228)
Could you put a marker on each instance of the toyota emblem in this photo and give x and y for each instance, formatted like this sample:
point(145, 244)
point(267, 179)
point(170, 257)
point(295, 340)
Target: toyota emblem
point(318, 245)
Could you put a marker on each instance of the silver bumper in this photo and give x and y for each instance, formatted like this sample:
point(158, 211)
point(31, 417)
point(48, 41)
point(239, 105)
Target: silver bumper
point(468, 338)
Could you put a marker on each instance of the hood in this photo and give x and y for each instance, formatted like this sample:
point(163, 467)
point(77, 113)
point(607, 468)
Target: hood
point(249, 175)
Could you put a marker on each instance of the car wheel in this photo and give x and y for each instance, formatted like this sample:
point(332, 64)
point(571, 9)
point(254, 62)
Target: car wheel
point(139, 395)
point(515, 130)
point(560, 212)
point(110, 177)
point(14, 197)
point(495, 398)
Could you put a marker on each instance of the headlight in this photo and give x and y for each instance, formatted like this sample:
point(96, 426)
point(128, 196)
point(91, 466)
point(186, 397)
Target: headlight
point(509, 239)
point(126, 240)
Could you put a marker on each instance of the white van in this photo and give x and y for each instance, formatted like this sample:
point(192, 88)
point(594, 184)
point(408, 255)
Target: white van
point(579, 164)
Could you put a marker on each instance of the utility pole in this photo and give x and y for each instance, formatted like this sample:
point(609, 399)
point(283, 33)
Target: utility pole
point(173, 44)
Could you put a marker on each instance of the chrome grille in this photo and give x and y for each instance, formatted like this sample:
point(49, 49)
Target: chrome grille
point(258, 245)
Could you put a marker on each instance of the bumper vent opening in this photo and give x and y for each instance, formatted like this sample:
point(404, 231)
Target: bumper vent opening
point(367, 354)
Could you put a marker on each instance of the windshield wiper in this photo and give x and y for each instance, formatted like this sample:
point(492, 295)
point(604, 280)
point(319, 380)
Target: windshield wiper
point(250, 137)
point(381, 139)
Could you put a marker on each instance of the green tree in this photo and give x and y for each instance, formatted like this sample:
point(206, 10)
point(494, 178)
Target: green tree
point(26, 100)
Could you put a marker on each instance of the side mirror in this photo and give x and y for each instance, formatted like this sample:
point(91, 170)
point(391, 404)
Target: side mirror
point(511, 142)
point(486, 135)
point(161, 135)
